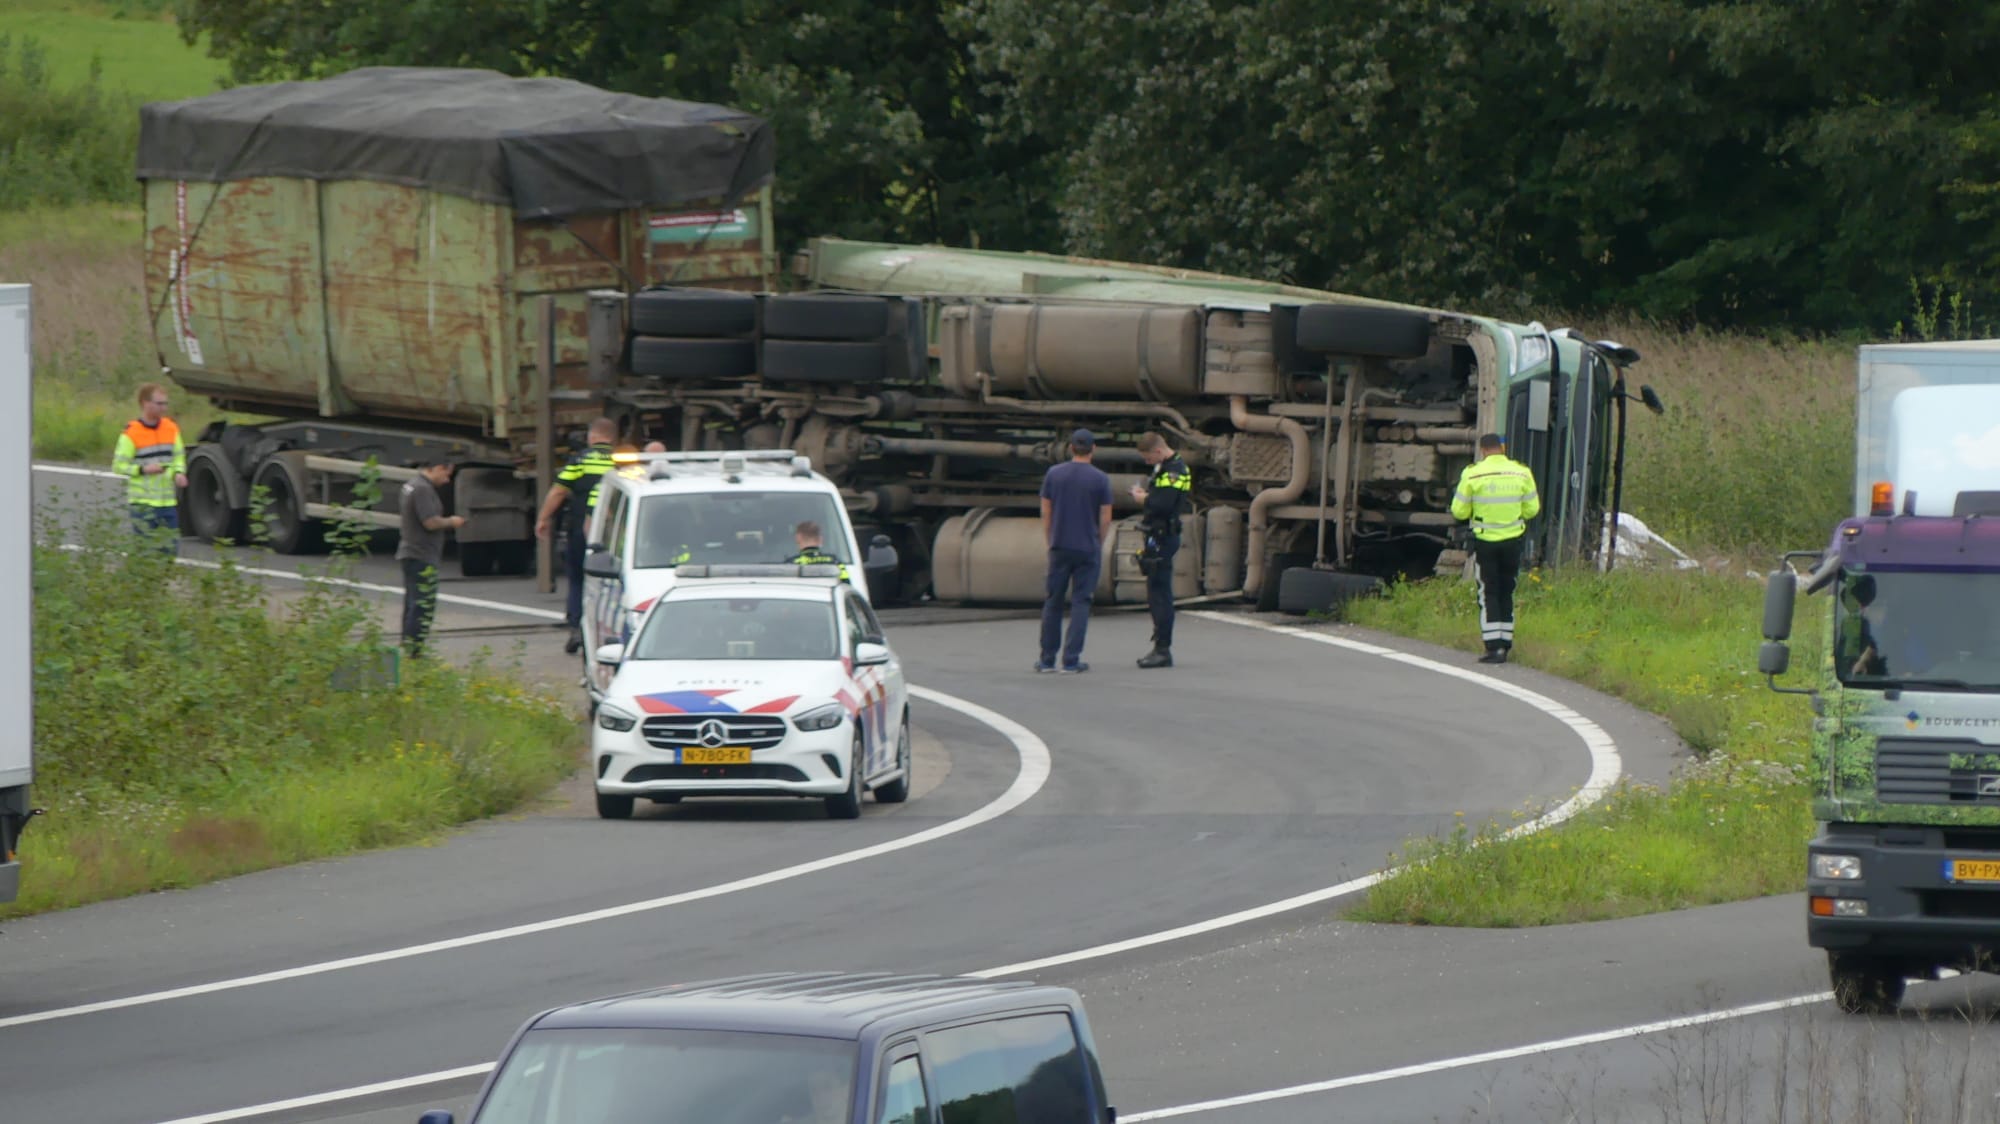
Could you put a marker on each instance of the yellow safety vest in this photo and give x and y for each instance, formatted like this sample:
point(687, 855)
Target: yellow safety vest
point(583, 473)
point(1498, 496)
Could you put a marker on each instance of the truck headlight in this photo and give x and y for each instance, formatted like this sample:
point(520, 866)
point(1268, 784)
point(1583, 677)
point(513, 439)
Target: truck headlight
point(1842, 868)
point(821, 717)
point(617, 721)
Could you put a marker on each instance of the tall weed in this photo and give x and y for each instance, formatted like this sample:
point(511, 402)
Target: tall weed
point(61, 145)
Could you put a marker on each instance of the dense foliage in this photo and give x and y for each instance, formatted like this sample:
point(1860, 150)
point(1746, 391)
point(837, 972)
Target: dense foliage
point(1732, 162)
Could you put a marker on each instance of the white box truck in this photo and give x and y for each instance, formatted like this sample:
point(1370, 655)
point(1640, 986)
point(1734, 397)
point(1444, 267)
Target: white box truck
point(17, 561)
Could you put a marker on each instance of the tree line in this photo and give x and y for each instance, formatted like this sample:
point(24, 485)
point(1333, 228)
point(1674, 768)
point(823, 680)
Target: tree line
point(1794, 164)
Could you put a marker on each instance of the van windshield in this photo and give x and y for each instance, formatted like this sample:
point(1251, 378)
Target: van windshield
point(672, 1077)
point(734, 527)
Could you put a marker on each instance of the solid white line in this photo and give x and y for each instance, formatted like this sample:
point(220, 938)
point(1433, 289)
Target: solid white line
point(1605, 767)
point(1033, 774)
point(66, 470)
point(1480, 1059)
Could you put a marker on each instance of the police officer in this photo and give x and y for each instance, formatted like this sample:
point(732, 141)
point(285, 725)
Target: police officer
point(811, 553)
point(1498, 496)
point(577, 483)
point(1166, 496)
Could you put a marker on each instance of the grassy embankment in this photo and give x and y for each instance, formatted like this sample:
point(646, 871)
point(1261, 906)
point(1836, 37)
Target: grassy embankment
point(189, 727)
point(1753, 457)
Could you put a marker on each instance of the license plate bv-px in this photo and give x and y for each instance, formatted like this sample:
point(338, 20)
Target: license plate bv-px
point(738, 755)
point(1972, 870)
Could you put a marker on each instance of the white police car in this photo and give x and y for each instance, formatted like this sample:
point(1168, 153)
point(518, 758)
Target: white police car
point(659, 511)
point(753, 680)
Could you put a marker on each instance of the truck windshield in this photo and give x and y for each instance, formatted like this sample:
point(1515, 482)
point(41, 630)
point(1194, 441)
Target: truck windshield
point(739, 628)
point(1924, 630)
point(671, 1077)
point(733, 526)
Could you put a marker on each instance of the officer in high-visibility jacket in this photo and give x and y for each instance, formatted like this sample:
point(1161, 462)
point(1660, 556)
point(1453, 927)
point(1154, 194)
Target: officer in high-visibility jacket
point(807, 536)
point(151, 457)
point(1498, 496)
point(1166, 496)
point(577, 484)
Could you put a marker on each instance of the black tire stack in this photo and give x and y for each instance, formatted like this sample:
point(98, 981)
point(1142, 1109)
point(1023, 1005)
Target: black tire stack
point(839, 338)
point(693, 333)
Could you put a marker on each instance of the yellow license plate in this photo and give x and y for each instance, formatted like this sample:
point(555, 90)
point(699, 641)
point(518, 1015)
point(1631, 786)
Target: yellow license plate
point(1974, 870)
point(720, 755)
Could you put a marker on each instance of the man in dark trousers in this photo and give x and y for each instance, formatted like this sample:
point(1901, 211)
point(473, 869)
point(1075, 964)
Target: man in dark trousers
point(1165, 496)
point(421, 550)
point(1076, 515)
point(1498, 496)
point(577, 484)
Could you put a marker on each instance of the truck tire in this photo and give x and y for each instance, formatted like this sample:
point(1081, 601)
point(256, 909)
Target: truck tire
point(1360, 329)
point(1303, 590)
point(517, 557)
point(212, 513)
point(284, 513)
point(696, 313)
point(1865, 985)
point(820, 361)
point(1274, 575)
point(830, 316)
point(692, 359)
point(478, 559)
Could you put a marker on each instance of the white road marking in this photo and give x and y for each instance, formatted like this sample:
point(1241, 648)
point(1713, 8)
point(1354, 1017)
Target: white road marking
point(1033, 774)
point(66, 470)
point(1419, 1070)
point(1605, 768)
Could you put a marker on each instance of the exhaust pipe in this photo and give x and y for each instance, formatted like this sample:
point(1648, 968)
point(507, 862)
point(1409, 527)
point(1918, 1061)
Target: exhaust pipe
point(1262, 503)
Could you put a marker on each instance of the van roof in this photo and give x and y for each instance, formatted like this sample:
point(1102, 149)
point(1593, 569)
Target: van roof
point(826, 1004)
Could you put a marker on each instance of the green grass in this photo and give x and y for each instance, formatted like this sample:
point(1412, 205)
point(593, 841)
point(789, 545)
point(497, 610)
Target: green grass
point(187, 729)
point(135, 46)
point(1682, 644)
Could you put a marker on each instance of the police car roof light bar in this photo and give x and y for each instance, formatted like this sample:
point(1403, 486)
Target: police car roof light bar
point(704, 570)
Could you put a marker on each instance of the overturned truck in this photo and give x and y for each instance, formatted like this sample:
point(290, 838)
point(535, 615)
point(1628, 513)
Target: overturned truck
point(1326, 432)
point(395, 261)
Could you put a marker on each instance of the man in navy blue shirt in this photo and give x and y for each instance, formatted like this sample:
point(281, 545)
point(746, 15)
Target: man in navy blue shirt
point(1076, 515)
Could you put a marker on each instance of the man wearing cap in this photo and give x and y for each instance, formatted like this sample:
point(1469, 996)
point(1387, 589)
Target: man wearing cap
point(1498, 496)
point(1076, 515)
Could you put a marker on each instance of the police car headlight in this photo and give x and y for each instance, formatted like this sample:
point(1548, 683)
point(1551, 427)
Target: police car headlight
point(617, 721)
point(821, 718)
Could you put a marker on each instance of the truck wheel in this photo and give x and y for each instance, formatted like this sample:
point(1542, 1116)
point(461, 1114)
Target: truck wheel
point(210, 515)
point(611, 807)
point(517, 557)
point(284, 514)
point(1360, 329)
point(812, 316)
point(1865, 985)
point(1274, 576)
point(820, 361)
point(478, 559)
point(692, 359)
point(1302, 590)
point(700, 313)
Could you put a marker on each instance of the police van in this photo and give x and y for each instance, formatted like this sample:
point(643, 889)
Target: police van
point(658, 511)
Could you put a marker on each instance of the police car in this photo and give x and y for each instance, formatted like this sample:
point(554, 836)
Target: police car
point(659, 511)
point(753, 681)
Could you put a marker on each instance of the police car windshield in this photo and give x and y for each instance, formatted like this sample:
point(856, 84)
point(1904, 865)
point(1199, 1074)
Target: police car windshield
point(738, 628)
point(671, 1077)
point(1918, 630)
point(733, 526)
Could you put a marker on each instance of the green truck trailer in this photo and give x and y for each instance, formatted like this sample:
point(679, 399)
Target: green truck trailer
point(379, 301)
point(1903, 877)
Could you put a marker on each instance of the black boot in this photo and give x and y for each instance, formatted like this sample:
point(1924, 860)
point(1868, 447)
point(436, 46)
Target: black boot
point(575, 642)
point(1494, 655)
point(1158, 657)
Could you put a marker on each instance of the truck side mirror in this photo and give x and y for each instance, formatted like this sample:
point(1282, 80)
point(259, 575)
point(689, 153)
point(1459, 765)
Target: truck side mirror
point(1774, 658)
point(1780, 591)
point(600, 564)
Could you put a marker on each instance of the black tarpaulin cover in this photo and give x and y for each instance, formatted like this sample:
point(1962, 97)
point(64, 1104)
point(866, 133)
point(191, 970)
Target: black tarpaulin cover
point(547, 147)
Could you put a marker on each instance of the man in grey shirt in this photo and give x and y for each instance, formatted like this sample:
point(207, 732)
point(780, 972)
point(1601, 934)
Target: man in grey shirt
point(421, 550)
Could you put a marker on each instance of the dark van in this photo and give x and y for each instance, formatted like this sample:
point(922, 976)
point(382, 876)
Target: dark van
point(805, 1047)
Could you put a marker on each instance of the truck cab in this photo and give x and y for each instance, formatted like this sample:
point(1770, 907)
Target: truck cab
point(1903, 877)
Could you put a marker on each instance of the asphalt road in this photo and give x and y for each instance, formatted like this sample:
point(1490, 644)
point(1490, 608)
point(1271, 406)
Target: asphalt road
point(1054, 815)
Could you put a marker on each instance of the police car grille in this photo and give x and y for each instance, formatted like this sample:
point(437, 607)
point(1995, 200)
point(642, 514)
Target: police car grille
point(679, 731)
point(1913, 771)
